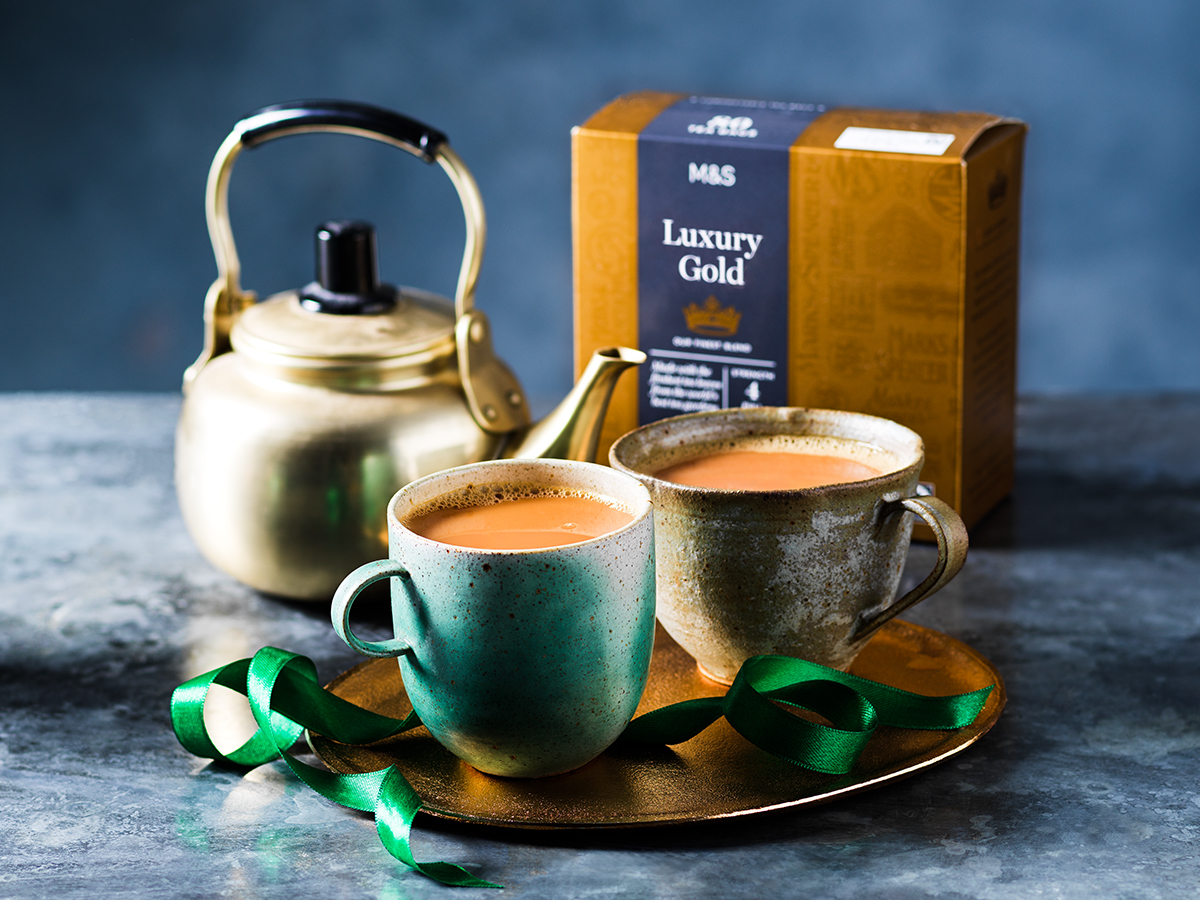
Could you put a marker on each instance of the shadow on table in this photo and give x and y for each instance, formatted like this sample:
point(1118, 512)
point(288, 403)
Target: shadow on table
point(1057, 510)
point(1102, 472)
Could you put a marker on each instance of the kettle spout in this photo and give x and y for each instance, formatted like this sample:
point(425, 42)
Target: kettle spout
point(572, 430)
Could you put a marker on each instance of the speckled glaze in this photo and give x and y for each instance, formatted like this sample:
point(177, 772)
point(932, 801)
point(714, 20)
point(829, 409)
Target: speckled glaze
point(809, 573)
point(520, 662)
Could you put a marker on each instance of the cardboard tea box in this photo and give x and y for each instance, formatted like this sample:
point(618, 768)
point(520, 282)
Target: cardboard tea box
point(788, 254)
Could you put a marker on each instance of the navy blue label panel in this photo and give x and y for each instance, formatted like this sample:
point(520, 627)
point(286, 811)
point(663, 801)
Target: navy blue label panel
point(713, 254)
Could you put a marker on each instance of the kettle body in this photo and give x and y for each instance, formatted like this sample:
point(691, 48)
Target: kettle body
point(306, 412)
point(284, 482)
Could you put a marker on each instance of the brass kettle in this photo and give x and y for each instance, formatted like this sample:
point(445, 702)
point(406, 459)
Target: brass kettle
point(306, 412)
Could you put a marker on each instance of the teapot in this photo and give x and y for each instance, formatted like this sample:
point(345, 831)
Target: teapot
point(306, 412)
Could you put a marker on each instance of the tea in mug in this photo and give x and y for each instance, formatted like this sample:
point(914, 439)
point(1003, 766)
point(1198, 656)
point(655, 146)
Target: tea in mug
point(774, 468)
point(511, 519)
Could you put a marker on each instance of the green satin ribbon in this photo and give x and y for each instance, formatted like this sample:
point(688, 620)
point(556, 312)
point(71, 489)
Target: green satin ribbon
point(286, 698)
point(855, 707)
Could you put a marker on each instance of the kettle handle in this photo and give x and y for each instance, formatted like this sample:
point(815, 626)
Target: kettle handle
point(226, 299)
point(283, 119)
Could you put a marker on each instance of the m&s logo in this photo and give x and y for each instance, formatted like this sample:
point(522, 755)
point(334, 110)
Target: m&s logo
point(726, 126)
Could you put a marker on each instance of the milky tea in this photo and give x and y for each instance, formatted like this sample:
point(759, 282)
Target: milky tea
point(782, 463)
point(517, 517)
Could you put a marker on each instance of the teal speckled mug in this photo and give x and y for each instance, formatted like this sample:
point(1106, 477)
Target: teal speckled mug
point(520, 662)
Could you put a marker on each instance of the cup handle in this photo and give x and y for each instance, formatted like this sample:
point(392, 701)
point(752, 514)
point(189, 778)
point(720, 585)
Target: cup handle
point(353, 585)
point(952, 542)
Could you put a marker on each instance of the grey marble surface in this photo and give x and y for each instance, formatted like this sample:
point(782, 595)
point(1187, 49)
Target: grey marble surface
point(1084, 590)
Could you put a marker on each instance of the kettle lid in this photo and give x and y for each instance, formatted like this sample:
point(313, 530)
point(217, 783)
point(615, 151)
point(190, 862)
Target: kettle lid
point(346, 315)
point(347, 272)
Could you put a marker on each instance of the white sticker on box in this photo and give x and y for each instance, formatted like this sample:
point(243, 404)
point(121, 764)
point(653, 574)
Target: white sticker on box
point(889, 140)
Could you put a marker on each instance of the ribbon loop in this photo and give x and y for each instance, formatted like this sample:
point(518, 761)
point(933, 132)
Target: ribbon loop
point(275, 680)
point(854, 706)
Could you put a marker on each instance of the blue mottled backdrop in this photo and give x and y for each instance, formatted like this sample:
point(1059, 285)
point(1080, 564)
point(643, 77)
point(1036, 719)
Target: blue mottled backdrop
point(111, 113)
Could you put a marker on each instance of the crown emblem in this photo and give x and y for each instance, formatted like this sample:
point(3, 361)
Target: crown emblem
point(712, 319)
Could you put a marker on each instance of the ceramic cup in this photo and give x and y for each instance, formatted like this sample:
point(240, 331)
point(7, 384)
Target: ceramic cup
point(520, 662)
point(810, 573)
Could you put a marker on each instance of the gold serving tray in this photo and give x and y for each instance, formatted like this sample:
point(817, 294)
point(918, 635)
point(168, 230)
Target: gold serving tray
point(716, 774)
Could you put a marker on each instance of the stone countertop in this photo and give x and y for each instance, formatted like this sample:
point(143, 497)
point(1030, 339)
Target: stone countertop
point(1084, 590)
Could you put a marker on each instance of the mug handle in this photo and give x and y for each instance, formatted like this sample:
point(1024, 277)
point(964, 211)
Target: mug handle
point(952, 542)
point(353, 585)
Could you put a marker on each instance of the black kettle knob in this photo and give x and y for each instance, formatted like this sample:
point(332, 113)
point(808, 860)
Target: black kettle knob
point(347, 273)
